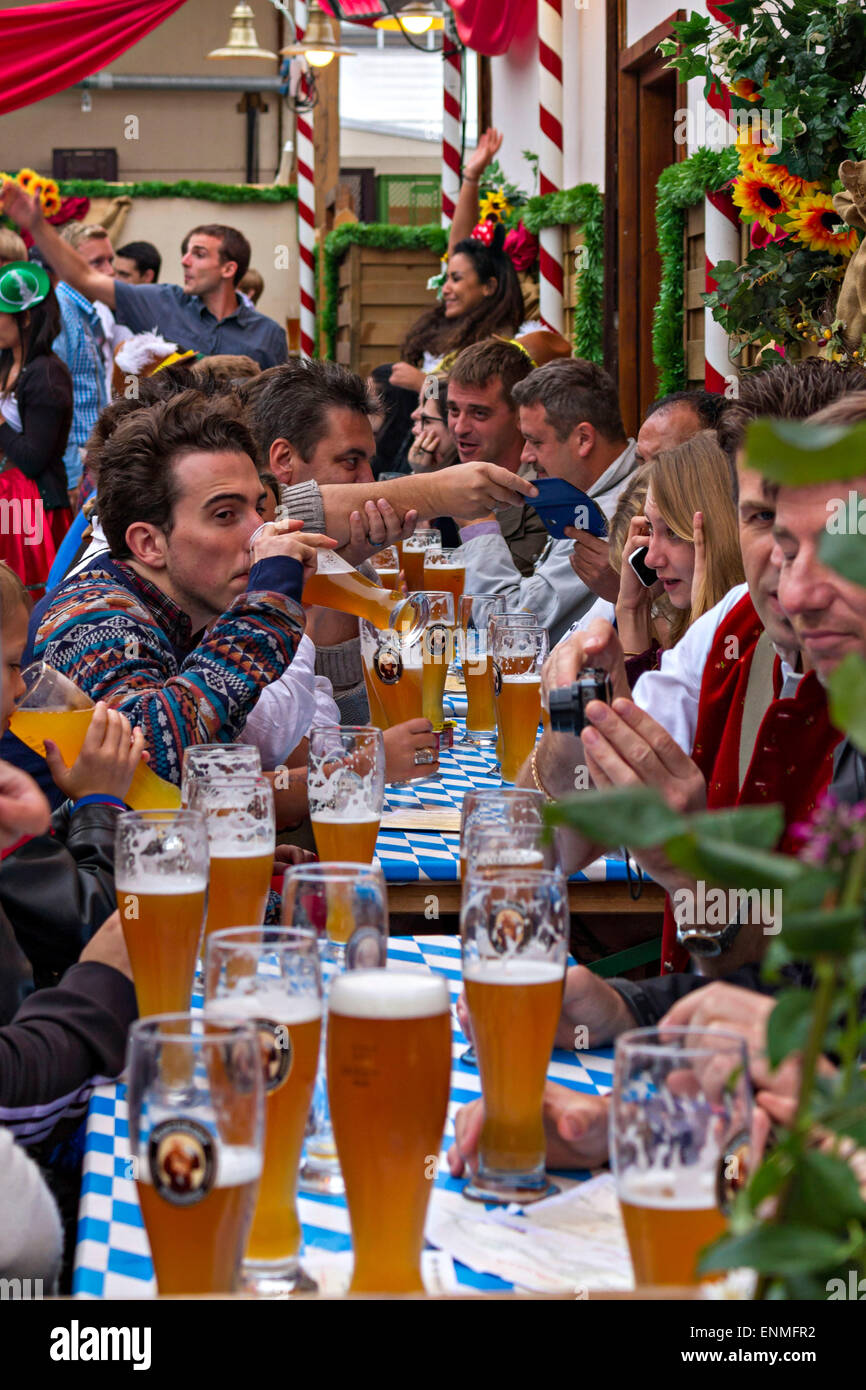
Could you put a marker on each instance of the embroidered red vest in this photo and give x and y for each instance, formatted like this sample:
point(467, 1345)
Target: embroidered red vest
point(792, 761)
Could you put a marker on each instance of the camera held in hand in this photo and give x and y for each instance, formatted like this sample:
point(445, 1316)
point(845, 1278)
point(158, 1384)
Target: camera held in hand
point(568, 704)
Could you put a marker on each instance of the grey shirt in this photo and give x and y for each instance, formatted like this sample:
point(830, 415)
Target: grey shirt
point(182, 318)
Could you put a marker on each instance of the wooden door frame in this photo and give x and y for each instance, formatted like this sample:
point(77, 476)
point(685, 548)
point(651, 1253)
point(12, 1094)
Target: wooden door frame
point(638, 66)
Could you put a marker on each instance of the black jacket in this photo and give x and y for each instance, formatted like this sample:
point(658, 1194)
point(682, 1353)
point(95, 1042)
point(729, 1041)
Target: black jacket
point(44, 395)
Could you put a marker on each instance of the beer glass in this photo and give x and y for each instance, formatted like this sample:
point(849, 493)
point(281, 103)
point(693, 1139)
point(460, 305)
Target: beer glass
point(498, 620)
point(501, 806)
point(54, 707)
point(387, 566)
point(337, 585)
point(393, 673)
point(161, 878)
point(474, 612)
point(323, 898)
point(271, 978)
point(218, 760)
point(680, 1120)
point(346, 788)
point(445, 569)
point(239, 812)
point(389, 1070)
point(196, 1147)
point(489, 847)
point(414, 551)
point(437, 649)
point(514, 929)
point(518, 656)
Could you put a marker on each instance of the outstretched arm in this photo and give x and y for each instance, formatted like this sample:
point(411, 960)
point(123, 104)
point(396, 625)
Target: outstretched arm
point(466, 211)
point(64, 260)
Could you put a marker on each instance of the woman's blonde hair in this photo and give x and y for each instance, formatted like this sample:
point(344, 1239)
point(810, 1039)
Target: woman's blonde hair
point(12, 593)
point(695, 477)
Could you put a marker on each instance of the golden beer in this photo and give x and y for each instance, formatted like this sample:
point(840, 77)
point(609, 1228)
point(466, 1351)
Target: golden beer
point(480, 711)
point(401, 694)
point(413, 566)
point(68, 729)
point(239, 887)
point(439, 574)
point(518, 710)
point(336, 585)
point(515, 1011)
point(349, 841)
point(197, 1249)
point(437, 649)
point(162, 918)
point(276, 1231)
point(389, 1065)
point(669, 1217)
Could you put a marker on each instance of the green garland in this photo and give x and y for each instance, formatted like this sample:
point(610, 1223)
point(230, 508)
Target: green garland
point(583, 206)
point(185, 188)
point(680, 186)
point(378, 234)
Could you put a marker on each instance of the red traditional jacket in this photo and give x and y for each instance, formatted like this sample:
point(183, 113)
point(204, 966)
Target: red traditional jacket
point(792, 762)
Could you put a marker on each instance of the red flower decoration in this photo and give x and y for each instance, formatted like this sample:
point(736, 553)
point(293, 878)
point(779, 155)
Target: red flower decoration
point(522, 247)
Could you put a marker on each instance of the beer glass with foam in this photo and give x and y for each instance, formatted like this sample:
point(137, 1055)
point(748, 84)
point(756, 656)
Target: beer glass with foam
point(518, 656)
point(474, 612)
point(389, 1072)
point(271, 977)
point(386, 563)
point(445, 569)
point(514, 930)
point(195, 1097)
point(680, 1119)
point(161, 863)
point(414, 552)
point(437, 650)
point(218, 760)
point(239, 812)
point(346, 788)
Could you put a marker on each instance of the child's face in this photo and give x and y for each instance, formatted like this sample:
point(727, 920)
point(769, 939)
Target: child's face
point(14, 641)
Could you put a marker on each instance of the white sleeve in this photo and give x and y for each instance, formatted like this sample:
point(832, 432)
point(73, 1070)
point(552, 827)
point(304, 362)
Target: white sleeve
point(31, 1236)
point(672, 694)
point(326, 710)
point(282, 715)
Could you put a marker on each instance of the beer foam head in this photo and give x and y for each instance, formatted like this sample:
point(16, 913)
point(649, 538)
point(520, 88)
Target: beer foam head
point(670, 1189)
point(513, 970)
point(268, 1002)
point(168, 884)
point(351, 815)
point(388, 994)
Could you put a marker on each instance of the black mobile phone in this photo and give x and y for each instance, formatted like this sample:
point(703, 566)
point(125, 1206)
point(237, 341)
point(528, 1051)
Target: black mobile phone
point(645, 573)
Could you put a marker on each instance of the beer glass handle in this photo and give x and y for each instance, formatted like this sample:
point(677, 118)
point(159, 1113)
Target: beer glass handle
point(420, 607)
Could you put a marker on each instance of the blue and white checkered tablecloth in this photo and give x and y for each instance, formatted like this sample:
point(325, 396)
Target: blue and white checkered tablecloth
point(112, 1257)
point(408, 856)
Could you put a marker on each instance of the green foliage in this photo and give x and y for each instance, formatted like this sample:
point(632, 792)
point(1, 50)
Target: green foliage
point(795, 455)
point(847, 691)
point(582, 206)
point(185, 188)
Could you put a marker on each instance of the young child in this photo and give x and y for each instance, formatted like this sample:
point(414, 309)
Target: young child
point(57, 889)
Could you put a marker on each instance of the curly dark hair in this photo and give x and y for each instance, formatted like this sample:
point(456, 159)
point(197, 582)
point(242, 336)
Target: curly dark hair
point(498, 313)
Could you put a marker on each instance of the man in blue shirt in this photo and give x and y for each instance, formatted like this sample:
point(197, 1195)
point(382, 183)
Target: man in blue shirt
point(206, 314)
point(79, 344)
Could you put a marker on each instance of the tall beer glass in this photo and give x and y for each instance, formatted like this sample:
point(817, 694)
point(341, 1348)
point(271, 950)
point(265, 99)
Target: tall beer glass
point(241, 832)
point(680, 1120)
point(489, 848)
point(196, 1147)
point(498, 620)
point(437, 650)
point(445, 569)
point(514, 928)
point(346, 788)
point(161, 878)
point(389, 1068)
point(386, 563)
point(54, 707)
point(518, 655)
point(271, 978)
point(393, 674)
point(218, 760)
point(414, 551)
point(500, 806)
point(474, 612)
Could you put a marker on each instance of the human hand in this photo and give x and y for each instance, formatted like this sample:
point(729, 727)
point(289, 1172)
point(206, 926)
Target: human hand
point(589, 1002)
point(109, 755)
point(407, 376)
point(377, 526)
point(575, 1128)
point(597, 645)
point(286, 537)
point(473, 489)
point(626, 747)
point(484, 153)
point(402, 742)
point(633, 596)
point(590, 562)
point(287, 855)
point(23, 808)
point(731, 1009)
point(107, 946)
point(25, 211)
point(422, 455)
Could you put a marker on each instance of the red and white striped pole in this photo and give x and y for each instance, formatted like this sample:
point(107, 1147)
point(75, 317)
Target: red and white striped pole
point(452, 119)
point(550, 163)
point(306, 209)
point(721, 243)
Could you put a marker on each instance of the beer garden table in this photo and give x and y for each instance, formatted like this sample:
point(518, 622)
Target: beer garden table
point(112, 1257)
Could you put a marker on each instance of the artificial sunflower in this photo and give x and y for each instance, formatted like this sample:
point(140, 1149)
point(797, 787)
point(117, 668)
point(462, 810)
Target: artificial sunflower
point(816, 223)
point(752, 146)
point(25, 178)
point(494, 207)
point(761, 196)
point(747, 89)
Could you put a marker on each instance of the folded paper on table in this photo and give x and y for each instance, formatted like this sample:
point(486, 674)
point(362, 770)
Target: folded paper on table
point(443, 818)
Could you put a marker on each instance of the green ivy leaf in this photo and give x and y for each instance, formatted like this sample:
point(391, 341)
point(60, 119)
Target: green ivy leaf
point(787, 1249)
point(825, 1192)
point(769, 1177)
point(788, 1025)
point(796, 455)
point(847, 691)
point(760, 826)
point(846, 554)
point(735, 866)
point(638, 817)
point(824, 932)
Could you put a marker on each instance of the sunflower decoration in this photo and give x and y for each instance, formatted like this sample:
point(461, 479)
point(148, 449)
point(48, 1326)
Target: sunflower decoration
point(46, 190)
point(762, 195)
point(745, 88)
point(816, 223)
point(25, 177)
point(752, 146)
point(494, 207)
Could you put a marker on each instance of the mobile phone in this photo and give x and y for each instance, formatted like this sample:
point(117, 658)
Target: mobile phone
point(645, 573)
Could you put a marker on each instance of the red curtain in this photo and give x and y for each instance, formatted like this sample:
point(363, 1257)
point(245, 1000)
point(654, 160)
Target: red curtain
point(47, 48)
point(492, 26)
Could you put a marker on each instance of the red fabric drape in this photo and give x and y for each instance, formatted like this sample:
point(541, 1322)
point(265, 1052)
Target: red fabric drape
point(492, 26)
point(47, 48)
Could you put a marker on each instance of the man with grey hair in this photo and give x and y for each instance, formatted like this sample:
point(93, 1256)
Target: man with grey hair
point(571, 424)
